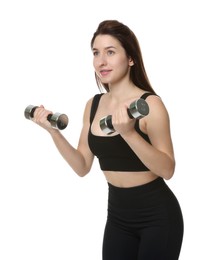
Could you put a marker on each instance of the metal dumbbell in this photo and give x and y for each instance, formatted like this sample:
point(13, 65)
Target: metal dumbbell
point(137, 109)
point(57, 120)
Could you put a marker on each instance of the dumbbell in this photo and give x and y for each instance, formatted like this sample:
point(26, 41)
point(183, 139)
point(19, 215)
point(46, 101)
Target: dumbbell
point(57, 120)
point(137, 109)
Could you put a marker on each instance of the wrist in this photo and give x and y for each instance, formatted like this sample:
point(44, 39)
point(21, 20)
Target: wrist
point(52, 131)
point(129, 134)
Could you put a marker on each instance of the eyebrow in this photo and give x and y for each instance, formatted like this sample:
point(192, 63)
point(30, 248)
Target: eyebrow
point(106, 48)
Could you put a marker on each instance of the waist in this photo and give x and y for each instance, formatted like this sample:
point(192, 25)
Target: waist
point(129, 179)
point(152, 195)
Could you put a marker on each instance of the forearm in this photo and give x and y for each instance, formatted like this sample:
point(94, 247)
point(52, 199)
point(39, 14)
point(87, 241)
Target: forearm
point(158, 162)
point(72, 156)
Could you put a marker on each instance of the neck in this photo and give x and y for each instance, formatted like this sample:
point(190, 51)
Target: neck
point(123, 92)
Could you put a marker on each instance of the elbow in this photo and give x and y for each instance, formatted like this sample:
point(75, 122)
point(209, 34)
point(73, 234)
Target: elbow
point(168, 172)
point(168, 176)
point(81, 167)
point(83, 172)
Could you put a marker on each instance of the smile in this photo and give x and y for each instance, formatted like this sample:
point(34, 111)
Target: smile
point(104, 72)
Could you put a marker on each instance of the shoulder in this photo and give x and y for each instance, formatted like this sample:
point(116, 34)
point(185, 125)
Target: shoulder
point(91, 103)
point(158, 114)
point(154, 101)
point(93, 100)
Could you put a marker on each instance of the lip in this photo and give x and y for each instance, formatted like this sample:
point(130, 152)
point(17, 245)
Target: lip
point(104, 73)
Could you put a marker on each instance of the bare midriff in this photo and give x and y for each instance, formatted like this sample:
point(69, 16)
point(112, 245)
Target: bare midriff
point(129, 179)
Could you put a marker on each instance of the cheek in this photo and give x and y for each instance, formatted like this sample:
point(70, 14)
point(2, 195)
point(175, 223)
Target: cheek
point(94, 63)
point(122, 66)
point(122, 62)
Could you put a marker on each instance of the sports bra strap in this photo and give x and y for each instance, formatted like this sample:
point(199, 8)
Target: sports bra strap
point(145, 95)
point(94, 106)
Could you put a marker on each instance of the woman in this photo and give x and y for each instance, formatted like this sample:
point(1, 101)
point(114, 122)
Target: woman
point(144, 217)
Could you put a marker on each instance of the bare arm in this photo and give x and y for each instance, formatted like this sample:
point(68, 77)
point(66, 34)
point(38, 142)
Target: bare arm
point(80, 159)
point(157, 156)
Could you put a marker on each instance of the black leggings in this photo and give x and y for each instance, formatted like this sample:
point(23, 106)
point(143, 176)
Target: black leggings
point(144, 223)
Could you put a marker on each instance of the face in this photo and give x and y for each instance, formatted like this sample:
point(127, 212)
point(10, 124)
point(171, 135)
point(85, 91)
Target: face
point(110, 60)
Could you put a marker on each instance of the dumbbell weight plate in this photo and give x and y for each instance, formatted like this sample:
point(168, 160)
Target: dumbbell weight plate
point(59, 121)
point(138, 109)
point(29, 111)
point(106, 125)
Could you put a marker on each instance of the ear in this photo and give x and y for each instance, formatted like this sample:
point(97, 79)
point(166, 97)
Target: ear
point(130, 62)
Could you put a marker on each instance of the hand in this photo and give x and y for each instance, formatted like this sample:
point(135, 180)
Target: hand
point(40, 118)
point(121, 122)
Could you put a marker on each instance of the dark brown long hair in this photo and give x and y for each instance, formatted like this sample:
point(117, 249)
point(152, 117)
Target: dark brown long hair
point(131, 45)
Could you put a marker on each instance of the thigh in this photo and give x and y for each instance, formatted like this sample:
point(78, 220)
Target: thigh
point(119, 244)
point(163, 242)
point(153, 244)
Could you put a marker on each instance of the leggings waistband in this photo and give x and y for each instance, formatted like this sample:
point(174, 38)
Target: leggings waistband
point(150, 193)
point(140, 188)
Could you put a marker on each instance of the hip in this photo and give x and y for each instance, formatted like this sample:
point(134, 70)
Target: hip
point(151, 203)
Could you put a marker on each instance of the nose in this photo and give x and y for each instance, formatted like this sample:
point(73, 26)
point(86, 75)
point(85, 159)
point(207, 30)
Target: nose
point(101, 60)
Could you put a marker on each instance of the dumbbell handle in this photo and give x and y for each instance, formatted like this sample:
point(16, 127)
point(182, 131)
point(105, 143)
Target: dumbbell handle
point(57, 120)
point(137, 109)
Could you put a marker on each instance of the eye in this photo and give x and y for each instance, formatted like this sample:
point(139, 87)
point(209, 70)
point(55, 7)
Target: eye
point(110, 52)
point(95, 53)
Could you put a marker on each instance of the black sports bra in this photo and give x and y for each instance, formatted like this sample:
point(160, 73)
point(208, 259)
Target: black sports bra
point(113, 152)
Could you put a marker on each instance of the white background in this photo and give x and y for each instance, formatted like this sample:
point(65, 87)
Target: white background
point(46, 210)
